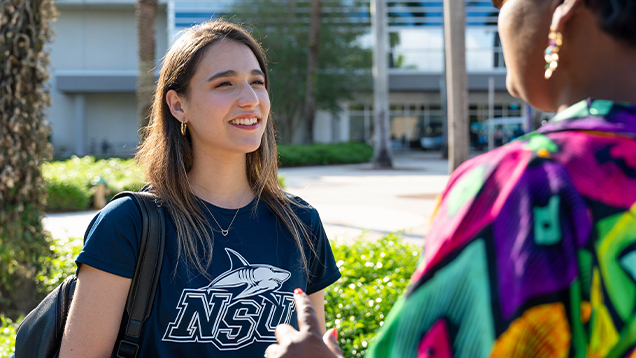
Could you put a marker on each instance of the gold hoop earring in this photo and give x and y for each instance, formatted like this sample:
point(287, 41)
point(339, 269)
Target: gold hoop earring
point(183, 128)
point(552, 52)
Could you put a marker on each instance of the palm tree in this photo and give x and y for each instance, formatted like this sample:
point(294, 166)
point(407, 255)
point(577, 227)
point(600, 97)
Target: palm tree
point(312, 63)
point(145, 13)
point(24, 144)
point(456, 80)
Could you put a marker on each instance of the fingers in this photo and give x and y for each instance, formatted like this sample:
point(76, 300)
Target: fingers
point(284, 332)
point(307, 342)
point(307, 319)
point(331, 340)
point(274, 351)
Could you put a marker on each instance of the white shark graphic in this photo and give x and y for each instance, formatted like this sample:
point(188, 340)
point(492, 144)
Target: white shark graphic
point(257, 278)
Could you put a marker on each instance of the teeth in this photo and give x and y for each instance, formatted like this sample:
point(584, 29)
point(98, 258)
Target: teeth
point(245, 121)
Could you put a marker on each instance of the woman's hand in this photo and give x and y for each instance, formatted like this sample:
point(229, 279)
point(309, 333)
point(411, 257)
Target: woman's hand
point(308, 342)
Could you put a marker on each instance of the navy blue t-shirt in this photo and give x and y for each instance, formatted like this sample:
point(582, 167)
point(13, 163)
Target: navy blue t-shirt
point(254, 272)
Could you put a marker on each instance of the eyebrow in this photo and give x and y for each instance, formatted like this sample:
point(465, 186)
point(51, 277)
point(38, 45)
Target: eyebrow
point(232, 73)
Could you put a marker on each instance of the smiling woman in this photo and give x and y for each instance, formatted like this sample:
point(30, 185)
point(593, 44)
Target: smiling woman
point(210, 158)
point(227, 105)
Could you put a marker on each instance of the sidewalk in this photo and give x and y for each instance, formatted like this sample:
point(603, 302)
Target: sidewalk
point(351, 199)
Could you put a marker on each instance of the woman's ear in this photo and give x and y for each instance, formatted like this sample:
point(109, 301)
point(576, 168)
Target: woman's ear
point(564, 12)
point(175, 103)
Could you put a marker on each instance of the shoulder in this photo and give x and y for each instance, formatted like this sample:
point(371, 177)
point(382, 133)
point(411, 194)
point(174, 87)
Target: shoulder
point(487, 181)
point(111, 242)
point(303, 209)
point(502, 167)
point(123, 207)
point(507, 185)
point(121, 214)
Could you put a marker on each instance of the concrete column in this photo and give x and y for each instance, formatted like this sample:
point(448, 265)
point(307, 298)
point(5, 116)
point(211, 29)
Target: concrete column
point(456, 81)
point(80, 125)
point(367, 124)
point(444, 107)
point(171, 23)
point(345, 126)
point(382, 148)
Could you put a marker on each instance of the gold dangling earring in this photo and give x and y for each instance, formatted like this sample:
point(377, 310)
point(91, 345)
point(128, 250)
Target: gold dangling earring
point(552, 52)
point(183, 128)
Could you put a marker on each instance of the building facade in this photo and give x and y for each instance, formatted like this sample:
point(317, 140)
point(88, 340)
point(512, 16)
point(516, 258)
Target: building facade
point(94, 70)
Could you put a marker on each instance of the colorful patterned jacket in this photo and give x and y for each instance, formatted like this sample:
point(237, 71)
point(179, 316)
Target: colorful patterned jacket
point(532, 250)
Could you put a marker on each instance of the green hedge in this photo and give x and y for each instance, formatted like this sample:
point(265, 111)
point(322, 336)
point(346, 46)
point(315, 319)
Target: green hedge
point(7, 336)
point(374, 275)
point(69, 182)
point(324, 154)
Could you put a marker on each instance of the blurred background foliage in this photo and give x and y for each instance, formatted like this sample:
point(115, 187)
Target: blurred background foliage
point(70, 183)
point(324, 154)
point(374, 276)
point(53, 270)
point(7, 336)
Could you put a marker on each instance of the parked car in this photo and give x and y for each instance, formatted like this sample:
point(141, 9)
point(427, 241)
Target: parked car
point(503, 129)
point(431, 142)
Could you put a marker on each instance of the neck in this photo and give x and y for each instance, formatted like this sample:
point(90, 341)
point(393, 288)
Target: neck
point(607, 73)
point(221, 181)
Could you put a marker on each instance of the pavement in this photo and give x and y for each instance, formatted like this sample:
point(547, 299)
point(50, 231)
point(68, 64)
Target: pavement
point(352, 200)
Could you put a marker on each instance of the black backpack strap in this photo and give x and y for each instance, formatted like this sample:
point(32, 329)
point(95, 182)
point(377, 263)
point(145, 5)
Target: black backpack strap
point(144, 283)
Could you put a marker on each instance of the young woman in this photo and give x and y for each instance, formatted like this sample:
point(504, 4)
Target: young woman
point(532, 252)
point(237, 246)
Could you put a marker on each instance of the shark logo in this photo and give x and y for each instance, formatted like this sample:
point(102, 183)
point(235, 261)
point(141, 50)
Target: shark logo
point(258, 279)
point(241, 306)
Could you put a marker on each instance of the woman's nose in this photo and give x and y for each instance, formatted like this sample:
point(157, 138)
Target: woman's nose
point(248, 97)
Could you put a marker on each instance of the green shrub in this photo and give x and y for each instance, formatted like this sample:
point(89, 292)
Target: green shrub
point(55, 269)
point(69, 182)
point(59, 265)
point(324, 154)
point(374, 276)
point(7, 336)
point(65, 195)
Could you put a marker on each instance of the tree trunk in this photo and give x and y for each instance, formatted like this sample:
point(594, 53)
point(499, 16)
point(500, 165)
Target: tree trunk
point(146, 13)
point(456, 79)
point(382, 150)
point(312, 63)
point(24, 99)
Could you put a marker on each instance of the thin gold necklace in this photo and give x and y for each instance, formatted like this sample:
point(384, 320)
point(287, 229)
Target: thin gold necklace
point(223, 231)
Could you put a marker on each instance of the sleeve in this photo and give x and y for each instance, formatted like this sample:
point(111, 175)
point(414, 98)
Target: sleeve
point(322, 265)
point(111, 242)
point(507, 279)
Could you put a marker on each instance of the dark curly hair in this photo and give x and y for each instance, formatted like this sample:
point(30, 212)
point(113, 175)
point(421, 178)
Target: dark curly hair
point(618, 18)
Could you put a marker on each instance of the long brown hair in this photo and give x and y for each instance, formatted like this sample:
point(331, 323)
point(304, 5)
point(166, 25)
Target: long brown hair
point(167, 155)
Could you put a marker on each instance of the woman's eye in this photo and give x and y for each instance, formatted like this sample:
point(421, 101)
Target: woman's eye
point(223, 84)
point(259, 82)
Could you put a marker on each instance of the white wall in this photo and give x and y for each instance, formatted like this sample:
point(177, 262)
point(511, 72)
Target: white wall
point(96, 39)
point(330, 128)
point(101, 39)
point(112, 116)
